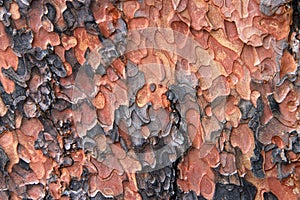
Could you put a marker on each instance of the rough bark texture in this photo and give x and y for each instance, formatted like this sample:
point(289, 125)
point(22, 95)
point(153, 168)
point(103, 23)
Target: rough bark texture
point(169, 99)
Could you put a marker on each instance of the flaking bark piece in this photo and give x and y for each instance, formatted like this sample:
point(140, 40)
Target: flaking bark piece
point(68, 41)
point(109, 183)
point(9, 143)
point(227, 163)
point(197, 11)
point(43, 38)
point(36, 191)
point(243, 84)
point(223, 54)
point(8, 59)
point(84, 41)
point(232, 112)
point(196, 175)
point(289, 109)
point(3, 108)
point(273, 128)
point(288, 64)
point(130, 7)
point(99, 101)
point(39, 163)
point(31, 127)
point(14, 10)
point(35, 16)
point(4, 39)
point(144, 96)
point(219, 88)
point(242, 137)
point(278, 25)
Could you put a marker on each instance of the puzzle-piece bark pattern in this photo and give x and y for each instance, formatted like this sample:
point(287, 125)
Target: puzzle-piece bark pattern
point(170, 99)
